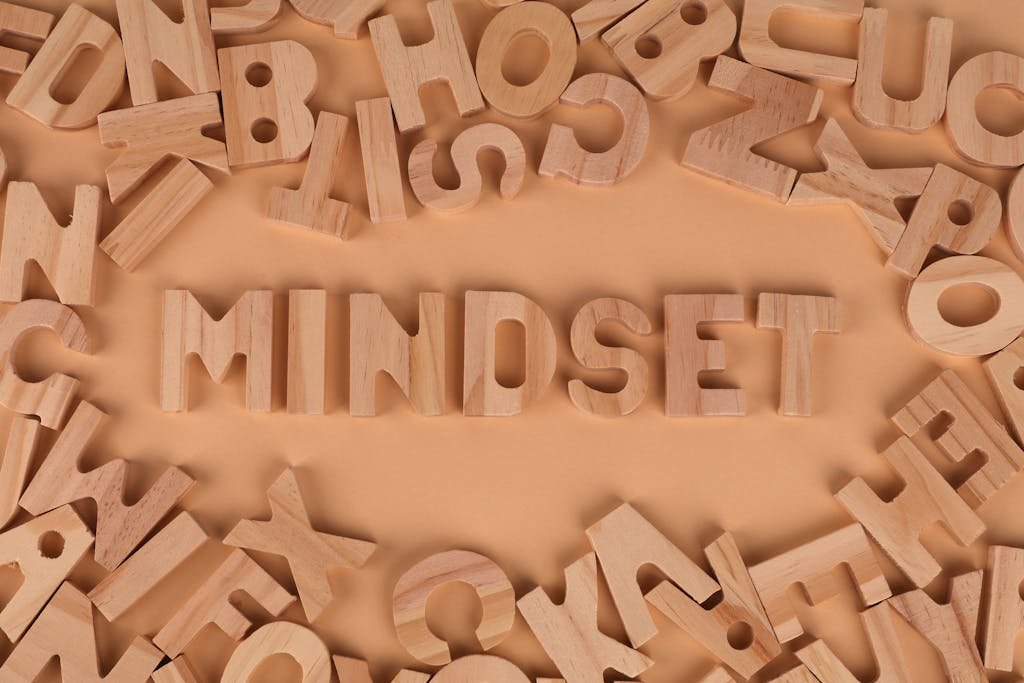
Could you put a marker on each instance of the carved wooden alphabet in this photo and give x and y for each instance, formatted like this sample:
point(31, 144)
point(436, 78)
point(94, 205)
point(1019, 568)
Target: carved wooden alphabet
point(175, 671)
point(307, 351)
point(281, 637)
point(885, 645)
point(1001, 370)
point(25, 23)
point(970, 137)
point(21, 444)
point(252, 17)
point(1005, 609)
point(381, 167)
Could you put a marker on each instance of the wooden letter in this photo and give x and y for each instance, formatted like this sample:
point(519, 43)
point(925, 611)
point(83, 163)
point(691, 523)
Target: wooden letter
point(897, 525)
point(597, 15)
point(50, 398)
point(265, 90)
point(758, 48)
point(481, 392)
point(246, 329)
point(381, 167)
point(252, 17)
point(185, 47)
point(65, 254)
point(593, 354)
point(406, 69)
point(569, 632)
point(970, 137)
point(870, 192)
point(346, 16)
point(1014, 214)
point(1005, 609)
point(465, 148)
point(811, 565)
point(378, 343)
point(21, 444)
point(78, 28)
point(497, 598)
point(307, 351)
point(683, 46)
point(1002, 371)
point(211, 604)
point(24, 23)
point(971, 428)
point(311, 206)
point(310, 554)
point(175, 671)
point(543, 21)
point(740, 604)
point(779, 105)
point(687, 355)
point(624, 542)
point(798, 318)
point(297, 642)
point(890, 661)
point(65, 630)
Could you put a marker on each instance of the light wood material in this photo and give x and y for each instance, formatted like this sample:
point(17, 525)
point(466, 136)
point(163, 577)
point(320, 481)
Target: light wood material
point(156, 215)
point(870, 192)
point(592, 354)
point(357, 671)
point(407, 68)
point(184, 47)
point(65, 630)
point(409, 602)
point(481, 392)
point(148, 566)
point(479, 668)
point(465, 148)
point(1014, 214)
point(311, 554)
point(798, 318)
point(50, 398)
point(971, 428)
point(381, 168)
point(18, 452)
point(925, 499)
point(1004, 606)
point(540, 20)
point(757, 46)
point(687, 355)
point(378, 343)
point(890, 661)
point(1001, 370)
point(3, 171)
point(177, 670)
point(683, 46)
point(246, 329)
point(119, 527)
point(717, 675)
point(42, 574)
point(22, 22)
point(563, 155)
point(154, 132)
point(65, 254)
point(307, 351)
point(569, 632)
point(311, 207)
point(931, 226)
point(345, 16)
point(970, 137)
point(624, 542)
point(597, 15)
point(950, 628)
point(872, 106)
point(740, 604)
point(211, 603)
point(812, 565)
point(78, 28)
point(280, 104)
point(297, 642)
point(252, 17)
point(778, 105)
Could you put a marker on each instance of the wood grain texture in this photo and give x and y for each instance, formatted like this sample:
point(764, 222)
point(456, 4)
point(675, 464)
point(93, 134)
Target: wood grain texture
point(482, 394)
point(1001, 370)
point(890, 660)
point(970, 137)
point(307, 351)
point(592, 354)
point(50, 399)
point(540, 20)
point(252, 17)
point(407, 68)
point(78, 28)
point(211, 603)
point(268, 123)
point(870, 192)
point(152, 133)
point(812, 566)
point(66, 255)
point(798, 318)
point(739, 604)
point(1014, 214)
point(280, 638)
point(311, 554)
point(378, 343)
point(119, 527)
point(23, 22)
point(687, 355)
point(246, 329)
point(18, 452)
point(897, 525)
point(971, 428)
point(624, 541)
point(673, 72)
point(778, 105)
point(1004, 608)
point(758, 48)
point(595, 16)
point(345, 16)
point(381, 168)
point(563, 155)
point(178, 670)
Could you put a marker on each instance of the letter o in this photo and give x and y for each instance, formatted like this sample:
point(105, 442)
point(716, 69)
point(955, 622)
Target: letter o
point(280, 637)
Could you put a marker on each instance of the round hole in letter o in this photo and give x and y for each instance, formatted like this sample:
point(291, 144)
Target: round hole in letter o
point(929, 327)
point(280, 637)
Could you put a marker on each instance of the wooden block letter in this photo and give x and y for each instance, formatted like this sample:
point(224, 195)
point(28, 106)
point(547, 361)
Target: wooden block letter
point(21, 444)
point(307, 351)
point(1002, 370)
point(252, 17)
point(890, 661)
point(24, 23)
point(381, 167)
point(297, 642)
point(970, 137)
point(1005, 609)
point(175, 671)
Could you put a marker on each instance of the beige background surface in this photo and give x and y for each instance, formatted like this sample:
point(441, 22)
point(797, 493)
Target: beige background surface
point(523, 489)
